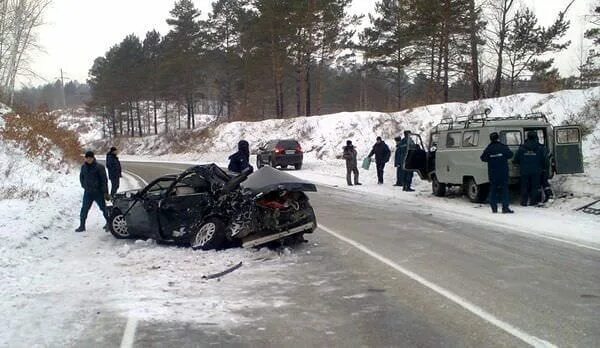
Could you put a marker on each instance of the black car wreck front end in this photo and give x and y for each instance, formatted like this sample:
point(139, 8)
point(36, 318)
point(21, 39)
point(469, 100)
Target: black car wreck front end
point(280, 208)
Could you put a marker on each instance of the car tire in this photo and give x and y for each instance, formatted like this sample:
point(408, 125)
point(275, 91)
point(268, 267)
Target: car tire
point(118, 226)
point(259, 163)
point(475, 193)
point(209, 235)
point(298, 166)
point(438, 188)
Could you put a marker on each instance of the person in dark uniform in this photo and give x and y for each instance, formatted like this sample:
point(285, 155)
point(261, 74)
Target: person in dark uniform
point(406, 144)
point(398, 158)
point(382, 156)
point(113, 165)
point(350, 156)
point(241, 159)
point(531, 158)
point(95, 189)
point(496, 155)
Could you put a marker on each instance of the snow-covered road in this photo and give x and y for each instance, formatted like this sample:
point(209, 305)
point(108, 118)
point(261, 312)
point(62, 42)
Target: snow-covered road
point(381, 271)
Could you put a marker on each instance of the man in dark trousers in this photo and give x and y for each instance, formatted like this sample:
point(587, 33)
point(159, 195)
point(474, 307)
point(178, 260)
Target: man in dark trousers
point(95, 188)
point(350, 156)
point(398, 159)
point(405, 145)
point(114, 170)
point(241, 159)
point(531, 158)
point(497, 155)
point(382, 156)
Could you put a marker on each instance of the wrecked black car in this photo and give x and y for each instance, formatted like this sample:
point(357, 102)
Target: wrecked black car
point(206, 208)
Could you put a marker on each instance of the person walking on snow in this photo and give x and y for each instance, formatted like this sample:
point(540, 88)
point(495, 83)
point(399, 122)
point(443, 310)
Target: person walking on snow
point(114, 170)
point(95, 189)
point(241, 159)
point(532, 159)
point(496, 155)
point(382, 156)
point(350, 156)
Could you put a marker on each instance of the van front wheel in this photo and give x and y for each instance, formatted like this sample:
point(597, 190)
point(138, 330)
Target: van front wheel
point(476, 193)
point(439, 189)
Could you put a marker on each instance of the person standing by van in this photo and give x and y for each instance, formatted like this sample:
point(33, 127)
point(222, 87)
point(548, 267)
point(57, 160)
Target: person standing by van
point(407, 144)
point(382, 156)
point(350, 156)
point(531, 158)
point(398, 159)
point(496, 155)
point(113, 165)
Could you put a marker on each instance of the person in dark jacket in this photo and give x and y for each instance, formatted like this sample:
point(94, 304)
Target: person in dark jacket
point(405, 145)
point(241, 159)
point(95, 189)
point(382, 156)
point(531, 158)
point(398, 159)
point(350, 156)
point(497, 155)
point(113, 165)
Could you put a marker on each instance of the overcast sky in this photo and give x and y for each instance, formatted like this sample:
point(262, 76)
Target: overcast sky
point(78, 31)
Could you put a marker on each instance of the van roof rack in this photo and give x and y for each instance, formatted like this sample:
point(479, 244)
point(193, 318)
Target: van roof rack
point(480, 119)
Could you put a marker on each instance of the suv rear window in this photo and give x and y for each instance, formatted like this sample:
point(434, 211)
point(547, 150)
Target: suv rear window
point(288, 144)
point(470, 139)
point(511, 137)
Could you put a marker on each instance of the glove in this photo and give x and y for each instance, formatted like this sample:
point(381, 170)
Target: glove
point(107, 197)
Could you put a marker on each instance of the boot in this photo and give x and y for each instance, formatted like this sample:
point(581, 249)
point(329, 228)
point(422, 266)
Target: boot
point(507, 211)
point(81, 228)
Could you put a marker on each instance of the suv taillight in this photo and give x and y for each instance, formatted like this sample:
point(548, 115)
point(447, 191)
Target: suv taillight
point(279, 150)
point(298, 149)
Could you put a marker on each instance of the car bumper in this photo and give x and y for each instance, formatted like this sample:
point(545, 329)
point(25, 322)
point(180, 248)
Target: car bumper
point(253, 241)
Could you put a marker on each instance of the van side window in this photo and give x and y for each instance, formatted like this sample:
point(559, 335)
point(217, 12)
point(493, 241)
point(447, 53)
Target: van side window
point(470, 138)
point(511, 137)
point(567, 136)
point(453, 139)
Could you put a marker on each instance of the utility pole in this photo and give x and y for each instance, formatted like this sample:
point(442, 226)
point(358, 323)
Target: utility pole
point(62, 88)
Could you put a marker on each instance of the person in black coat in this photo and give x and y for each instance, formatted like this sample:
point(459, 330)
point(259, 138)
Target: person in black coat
point(114, 170)
point(382, 156)
point(532, 160)
point(241, 159)
point(497, 155)
point(95, 189)
point(398, 159)
point(405, 145)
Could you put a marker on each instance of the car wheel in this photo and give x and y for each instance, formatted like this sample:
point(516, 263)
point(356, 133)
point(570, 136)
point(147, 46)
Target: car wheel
point(118, 226)
point(475, 193)
point(298, 166)
point(259, 163)
point(439, 189)
point(210, 235)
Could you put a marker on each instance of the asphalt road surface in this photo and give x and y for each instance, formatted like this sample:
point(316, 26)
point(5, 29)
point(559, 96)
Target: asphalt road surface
point(401, 275)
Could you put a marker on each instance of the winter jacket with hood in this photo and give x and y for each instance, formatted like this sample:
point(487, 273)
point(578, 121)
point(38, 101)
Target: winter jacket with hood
point(241, 159)
point(350, 155)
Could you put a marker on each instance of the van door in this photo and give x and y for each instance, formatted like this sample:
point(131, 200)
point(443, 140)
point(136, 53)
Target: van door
point(416, 157)
point(568, 155)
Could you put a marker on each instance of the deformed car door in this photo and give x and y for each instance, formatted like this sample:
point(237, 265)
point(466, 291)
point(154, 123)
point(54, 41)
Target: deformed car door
point(568, 155)
point(142, 216)
point(416, 156)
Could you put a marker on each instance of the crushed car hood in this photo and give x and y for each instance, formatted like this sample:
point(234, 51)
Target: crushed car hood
point(268, 179)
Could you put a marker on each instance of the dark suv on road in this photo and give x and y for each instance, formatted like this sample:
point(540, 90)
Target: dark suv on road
point(282, 153)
